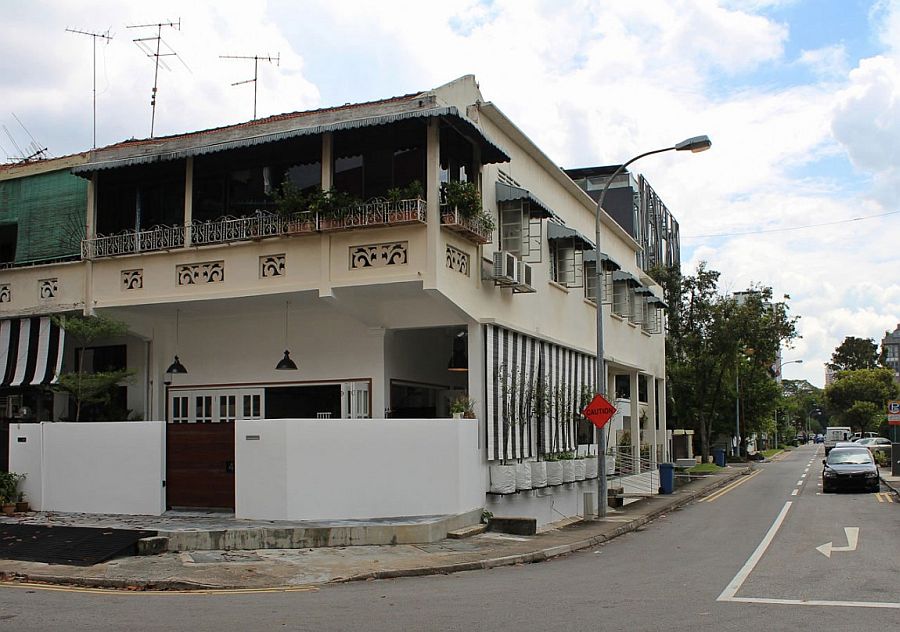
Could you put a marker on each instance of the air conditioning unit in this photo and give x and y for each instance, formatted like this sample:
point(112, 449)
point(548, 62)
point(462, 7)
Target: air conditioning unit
point(524, 283)
point(506, 269)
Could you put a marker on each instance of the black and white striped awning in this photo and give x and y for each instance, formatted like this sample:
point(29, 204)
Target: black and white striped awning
point(31, 351)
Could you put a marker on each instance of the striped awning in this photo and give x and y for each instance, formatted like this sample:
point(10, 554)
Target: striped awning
point(31, 351)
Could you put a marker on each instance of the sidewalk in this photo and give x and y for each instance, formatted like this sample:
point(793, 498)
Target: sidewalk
point(307, 567)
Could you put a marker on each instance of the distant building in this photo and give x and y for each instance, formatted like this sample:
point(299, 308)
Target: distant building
point(890, 351)
point(636, 207)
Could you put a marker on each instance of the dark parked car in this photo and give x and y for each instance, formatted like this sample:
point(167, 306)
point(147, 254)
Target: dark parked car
point(849, 468)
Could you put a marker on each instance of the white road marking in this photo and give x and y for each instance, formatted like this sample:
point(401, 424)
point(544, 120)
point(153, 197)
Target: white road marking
point(739, 579)
point(815, 602)
point(852, 534)
point(794, 493)
point(800, 482)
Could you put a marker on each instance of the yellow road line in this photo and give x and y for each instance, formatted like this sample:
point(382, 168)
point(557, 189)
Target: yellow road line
point(884, 497)
point(138, 591)
point(729, 487)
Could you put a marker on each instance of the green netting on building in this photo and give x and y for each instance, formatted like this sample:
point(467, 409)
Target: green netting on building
point(49, 210)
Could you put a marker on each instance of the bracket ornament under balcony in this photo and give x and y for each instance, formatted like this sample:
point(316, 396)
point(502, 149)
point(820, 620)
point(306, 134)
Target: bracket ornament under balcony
point(196, 273)
point(48, 288)
point(379, 255)
point(132, 279)
point(271, 266)
point(457, 260)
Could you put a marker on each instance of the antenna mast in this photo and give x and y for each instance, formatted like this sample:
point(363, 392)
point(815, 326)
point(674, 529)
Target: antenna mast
point(94, 37)
point(156, 58)
point(256, 58)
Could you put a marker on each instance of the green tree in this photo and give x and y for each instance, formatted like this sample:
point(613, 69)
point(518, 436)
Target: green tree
point(859, 398)
point(715, 342)
point(97, 387)
point(853, 354)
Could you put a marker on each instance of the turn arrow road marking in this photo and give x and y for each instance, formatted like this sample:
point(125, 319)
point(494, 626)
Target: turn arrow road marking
point(852, 540)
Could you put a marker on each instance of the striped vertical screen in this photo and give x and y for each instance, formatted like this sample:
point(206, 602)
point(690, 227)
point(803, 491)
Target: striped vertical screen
point(519, 369)
point(31, 351)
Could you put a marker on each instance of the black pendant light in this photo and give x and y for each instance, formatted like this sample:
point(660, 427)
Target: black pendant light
point(177, 366)
point(286, 364)
point(459, 359)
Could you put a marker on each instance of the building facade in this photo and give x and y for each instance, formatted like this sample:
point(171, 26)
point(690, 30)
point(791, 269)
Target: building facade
point(370, 262)
point(890, 351)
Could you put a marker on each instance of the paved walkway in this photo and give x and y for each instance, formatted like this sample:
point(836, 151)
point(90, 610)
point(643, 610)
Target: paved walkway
point(288, 569)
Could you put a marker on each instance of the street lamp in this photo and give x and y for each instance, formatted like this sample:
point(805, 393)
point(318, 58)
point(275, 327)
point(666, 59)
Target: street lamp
point(695, 144)
point(778, 376)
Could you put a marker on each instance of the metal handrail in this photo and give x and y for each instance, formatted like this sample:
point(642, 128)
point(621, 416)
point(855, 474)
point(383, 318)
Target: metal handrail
point(636, 475)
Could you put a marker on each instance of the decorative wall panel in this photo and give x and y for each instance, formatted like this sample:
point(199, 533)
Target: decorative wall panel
point(379, 255)
point(132, 279)
point(457, 260)
point(196, 273)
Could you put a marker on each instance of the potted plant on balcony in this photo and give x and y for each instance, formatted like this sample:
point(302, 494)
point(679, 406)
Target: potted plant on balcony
point(461, 407)
point(554, 469)
point(332, 208)
point(292, 205)
point(464, 211)
point(401, 200)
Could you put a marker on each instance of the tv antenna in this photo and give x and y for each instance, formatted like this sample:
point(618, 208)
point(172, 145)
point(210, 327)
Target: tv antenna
point(36, 151)
point(141, 43)
point(256, 59)
point(94, 37)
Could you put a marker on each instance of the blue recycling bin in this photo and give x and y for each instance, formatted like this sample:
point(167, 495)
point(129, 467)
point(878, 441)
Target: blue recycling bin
point(719, 457)
point(666, 478)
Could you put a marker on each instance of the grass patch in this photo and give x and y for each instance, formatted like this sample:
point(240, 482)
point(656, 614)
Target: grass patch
point(771, 453)
point(704, 468)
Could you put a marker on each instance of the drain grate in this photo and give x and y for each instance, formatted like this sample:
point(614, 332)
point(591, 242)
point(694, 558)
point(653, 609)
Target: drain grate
point(78, 546)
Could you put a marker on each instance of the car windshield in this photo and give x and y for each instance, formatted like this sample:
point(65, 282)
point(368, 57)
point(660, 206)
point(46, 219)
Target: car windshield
point(849, 456)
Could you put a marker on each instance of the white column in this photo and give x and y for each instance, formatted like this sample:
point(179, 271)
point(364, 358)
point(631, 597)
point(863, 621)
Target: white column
point(662, 425)
point(188, 200)
point(652, 421)
point(477, 382)
point(635, 426)
point(432, 200)
point(325, 238)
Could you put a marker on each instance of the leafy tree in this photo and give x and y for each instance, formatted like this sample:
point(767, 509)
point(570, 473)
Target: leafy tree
point(859, 398)
point(715, 342)
point(853, 354)
point(97, 387)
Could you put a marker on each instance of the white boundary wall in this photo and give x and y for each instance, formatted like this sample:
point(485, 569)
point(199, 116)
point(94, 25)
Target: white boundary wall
point(92, 467)
point(331, 469)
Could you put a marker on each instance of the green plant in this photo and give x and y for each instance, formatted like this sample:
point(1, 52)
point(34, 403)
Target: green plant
point(462, 404)
point(412, 191)
point(486, 516)
point(464, 197)
point(290, 199)
point(882, 458)
point(9, 484)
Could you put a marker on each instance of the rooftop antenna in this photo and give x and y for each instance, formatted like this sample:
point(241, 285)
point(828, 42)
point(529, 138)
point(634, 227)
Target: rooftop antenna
point(157, 62)
point(94, 37)
point(256, 58)
point(36, 150)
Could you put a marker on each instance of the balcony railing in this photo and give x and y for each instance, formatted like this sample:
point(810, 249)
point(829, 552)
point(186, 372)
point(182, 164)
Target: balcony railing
point(374, 213)
point(476, 229)
point(130, 242)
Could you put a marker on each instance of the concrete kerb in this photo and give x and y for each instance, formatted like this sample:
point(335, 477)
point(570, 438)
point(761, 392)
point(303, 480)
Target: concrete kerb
point(550, 552)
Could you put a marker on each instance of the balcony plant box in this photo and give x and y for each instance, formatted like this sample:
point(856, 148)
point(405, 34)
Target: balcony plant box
point(554, 473)
point(568, 466)
point(538, 474)
point(580, 469)
point(503, 479)
point(590, 466)
point(523, 476)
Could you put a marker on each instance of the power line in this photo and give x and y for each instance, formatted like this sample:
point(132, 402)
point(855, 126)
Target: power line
point(790, 228)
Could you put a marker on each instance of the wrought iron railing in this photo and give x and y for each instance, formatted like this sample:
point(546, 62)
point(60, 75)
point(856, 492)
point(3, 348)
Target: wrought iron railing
point(377, 212)
point(131, 242)
point(228, 229)
point(478, 229)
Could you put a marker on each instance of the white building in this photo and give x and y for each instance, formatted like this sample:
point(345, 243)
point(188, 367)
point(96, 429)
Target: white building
point(186, 242)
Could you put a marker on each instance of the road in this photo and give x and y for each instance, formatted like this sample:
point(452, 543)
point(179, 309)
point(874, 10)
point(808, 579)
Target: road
point(752, 556)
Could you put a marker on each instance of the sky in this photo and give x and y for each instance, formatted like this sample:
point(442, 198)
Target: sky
point(801, 99)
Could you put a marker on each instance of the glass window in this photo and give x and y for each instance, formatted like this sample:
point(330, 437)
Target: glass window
point(8, 237)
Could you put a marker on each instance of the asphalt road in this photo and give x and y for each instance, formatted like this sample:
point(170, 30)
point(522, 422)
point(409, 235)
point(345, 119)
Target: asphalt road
point(744, 558)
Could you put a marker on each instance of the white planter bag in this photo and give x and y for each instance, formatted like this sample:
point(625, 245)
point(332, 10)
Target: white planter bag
point(503, 479)
point(610, 464)
point(568, 471)
point(590, 466)
point(538, 473)
point(580, 466)
point(554, 473)
point(523, 476)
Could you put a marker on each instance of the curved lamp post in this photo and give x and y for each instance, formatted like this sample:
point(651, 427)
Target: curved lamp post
point(778, 373)
point(695, 144)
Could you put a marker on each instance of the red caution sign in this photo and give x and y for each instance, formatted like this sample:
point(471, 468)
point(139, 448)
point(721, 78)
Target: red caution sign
point(599, 411)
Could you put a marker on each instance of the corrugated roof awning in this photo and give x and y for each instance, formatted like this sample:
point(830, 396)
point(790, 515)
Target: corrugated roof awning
point(490, 153)
point(608, 262)
point(510, 193)
point(558, 231)
point(657, 301)
point(641, 289)
point(621, 275)
point(31, 351)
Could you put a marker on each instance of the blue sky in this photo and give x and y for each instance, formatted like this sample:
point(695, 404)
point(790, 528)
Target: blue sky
point(800, 97)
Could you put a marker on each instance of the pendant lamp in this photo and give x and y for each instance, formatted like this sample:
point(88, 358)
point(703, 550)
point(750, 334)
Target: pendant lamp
point(286, 364)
